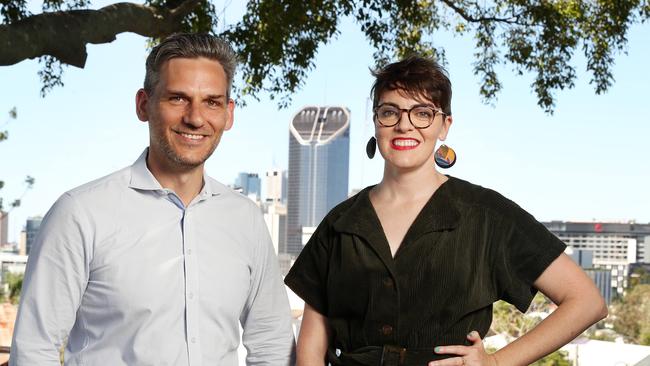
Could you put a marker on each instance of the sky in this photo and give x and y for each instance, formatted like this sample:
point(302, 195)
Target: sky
point(589, 161)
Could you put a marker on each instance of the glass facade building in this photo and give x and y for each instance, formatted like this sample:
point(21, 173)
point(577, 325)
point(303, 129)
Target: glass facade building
point(319, 155)
point(31, 230)
point(250, 184)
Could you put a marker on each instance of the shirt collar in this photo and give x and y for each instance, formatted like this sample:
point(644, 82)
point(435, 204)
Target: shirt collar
point(143, 179)
point(438, 214)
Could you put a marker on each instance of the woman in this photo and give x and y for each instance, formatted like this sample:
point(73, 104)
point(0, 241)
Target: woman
point(406, 272)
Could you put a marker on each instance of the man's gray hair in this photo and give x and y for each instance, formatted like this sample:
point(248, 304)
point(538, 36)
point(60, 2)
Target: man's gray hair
point(190, 45)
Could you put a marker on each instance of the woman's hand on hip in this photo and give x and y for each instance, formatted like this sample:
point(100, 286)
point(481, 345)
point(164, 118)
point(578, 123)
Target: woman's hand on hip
point(473, 355)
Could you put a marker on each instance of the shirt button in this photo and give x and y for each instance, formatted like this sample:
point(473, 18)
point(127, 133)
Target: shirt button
point(193, 339)
point(388, 282)
point(189, 251)
point(386, 330)
point(191, 295)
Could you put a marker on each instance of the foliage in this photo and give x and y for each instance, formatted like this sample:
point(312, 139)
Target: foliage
point(278, 40)
point(29, 181)
point(507, 320)
point(639, 277)
point(557, 358)
point(632, 315)
point(15, 282)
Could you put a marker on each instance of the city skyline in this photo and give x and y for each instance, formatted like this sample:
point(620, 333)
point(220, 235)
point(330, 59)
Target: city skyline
point(584, 163)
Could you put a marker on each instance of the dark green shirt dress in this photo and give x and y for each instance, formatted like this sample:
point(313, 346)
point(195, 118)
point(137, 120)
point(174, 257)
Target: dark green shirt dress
point(466, 249)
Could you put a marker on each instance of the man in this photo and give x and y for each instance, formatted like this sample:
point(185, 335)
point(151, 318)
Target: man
point(158, 264)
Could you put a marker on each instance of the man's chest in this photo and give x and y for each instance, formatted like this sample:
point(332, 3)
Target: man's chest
point(168, 262)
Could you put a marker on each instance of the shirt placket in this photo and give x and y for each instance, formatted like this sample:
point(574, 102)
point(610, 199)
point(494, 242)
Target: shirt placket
point(191, 290)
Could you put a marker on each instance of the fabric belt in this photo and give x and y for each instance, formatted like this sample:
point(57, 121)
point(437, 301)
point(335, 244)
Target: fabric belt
point(388, 355)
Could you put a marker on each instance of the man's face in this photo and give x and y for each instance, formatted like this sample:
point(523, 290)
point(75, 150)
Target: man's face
point(187, 111)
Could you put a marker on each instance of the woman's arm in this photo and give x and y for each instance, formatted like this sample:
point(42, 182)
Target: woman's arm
point(313, 338)
point(579, 306)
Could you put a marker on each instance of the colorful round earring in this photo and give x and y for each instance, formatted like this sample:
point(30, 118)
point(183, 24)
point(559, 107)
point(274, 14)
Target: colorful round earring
point(445, 157)
point(371, 147)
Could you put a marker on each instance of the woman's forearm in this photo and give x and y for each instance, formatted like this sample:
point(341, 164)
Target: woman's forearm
point(567, 322)
point(579, 306)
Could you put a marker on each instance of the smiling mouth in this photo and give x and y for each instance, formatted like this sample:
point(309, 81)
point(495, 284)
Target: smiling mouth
point(404, 144)
point(191, 136)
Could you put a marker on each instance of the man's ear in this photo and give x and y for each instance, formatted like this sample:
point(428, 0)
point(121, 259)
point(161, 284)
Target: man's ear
point(231, 114)
point(141, 102)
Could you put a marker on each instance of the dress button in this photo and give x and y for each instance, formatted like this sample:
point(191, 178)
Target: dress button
point(386, 330)
point(388, 282)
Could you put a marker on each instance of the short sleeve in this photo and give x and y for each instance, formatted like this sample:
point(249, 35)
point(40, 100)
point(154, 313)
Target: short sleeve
point(308, 275)
point(526, 249)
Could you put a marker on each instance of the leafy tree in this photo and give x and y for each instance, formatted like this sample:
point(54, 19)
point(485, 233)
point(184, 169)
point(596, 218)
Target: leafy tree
point(15, 282)
point(507, 320)
point(278, 39)
point(29, 181)
point(632, 315)
point(639, 276)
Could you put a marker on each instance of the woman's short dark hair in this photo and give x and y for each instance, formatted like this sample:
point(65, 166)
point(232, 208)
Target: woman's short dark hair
point(190, 45)
point(418, 77)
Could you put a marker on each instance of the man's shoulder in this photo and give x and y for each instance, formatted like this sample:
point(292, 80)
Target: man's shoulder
point(107, 185)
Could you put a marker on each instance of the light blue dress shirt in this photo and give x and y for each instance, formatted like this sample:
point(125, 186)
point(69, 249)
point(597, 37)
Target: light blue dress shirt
point(130, 276)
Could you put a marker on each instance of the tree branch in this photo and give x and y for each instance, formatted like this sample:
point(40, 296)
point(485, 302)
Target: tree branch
point(64, 34)
point(463, 14)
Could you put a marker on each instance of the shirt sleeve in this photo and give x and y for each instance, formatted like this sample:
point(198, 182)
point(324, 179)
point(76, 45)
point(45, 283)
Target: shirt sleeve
point(308, 275)
point(526, 250)
point(266, 318)
point(55, 278)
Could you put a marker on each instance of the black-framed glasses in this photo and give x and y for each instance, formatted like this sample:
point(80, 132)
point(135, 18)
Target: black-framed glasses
point(420, 116)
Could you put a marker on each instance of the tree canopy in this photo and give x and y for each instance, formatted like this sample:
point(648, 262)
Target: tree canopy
point(632, 315)
point(277, 40)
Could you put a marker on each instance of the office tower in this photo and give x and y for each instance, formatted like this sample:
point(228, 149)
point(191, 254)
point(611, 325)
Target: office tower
point(275, 217)
point(250, 185)
point(614, 246)
point(31, 230)
point(276, 185)
point(319, 153)
point(4, 227)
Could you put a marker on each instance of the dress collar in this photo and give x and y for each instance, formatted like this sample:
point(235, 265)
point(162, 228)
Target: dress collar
point(438, 214)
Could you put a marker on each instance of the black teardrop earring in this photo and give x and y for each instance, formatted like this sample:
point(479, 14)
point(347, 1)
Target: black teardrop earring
point(445, 157)
point(371, 147)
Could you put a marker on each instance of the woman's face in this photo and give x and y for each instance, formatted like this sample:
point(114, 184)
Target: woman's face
point(403, 146)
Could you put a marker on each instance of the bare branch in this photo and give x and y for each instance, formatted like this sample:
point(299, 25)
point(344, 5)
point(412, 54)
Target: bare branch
point(64, 34)
point(463, 14)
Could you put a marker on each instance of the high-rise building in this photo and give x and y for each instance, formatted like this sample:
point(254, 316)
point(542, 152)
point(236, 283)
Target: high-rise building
point(250, 185)
point(4, 227)
point(276, 185)
point(31, 230)
point(275, 216)
point(613, 246)
point(319, 154)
